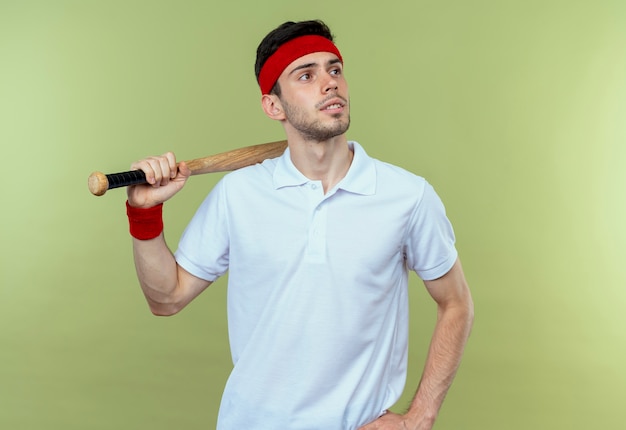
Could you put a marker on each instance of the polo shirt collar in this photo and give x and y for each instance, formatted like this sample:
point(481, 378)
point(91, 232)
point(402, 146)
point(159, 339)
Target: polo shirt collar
point(360, 179)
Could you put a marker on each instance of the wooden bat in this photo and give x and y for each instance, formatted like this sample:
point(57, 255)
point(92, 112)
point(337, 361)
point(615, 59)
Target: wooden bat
point(235, 159)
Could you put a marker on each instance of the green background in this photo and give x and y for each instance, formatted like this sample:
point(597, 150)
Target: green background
point(514, 110)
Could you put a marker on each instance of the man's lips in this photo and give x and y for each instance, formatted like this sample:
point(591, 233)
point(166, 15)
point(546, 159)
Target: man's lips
point(333, 104)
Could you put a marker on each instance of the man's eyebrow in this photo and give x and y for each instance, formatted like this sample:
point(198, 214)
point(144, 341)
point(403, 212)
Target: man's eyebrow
point(303, 66)
point(309, 65)
point(334, 61)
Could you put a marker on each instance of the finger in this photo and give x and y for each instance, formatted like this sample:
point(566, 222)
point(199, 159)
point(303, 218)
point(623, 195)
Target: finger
point(184, 170)
point(166, 170)
point(152, 167)
point(145, 166)
point(171, 161)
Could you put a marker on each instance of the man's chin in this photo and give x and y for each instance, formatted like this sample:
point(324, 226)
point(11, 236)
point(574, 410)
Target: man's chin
point(319, 133)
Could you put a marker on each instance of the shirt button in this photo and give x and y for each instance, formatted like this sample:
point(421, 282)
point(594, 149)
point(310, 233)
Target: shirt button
point(314, 186)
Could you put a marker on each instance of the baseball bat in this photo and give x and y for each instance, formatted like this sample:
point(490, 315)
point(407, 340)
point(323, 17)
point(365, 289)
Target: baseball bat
point(235, 159)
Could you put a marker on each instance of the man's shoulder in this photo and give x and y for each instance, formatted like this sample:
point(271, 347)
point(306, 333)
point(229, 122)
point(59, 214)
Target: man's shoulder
point(396, 179)
point(395, 171)
point(388, 169)
point(256, 173)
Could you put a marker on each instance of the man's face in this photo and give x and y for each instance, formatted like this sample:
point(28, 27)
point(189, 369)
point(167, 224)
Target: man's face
point(314, 96)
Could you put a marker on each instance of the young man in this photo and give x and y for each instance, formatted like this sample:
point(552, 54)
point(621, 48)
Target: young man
point(318, 244)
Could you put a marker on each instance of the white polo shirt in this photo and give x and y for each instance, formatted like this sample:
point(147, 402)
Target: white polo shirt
point(317, 287)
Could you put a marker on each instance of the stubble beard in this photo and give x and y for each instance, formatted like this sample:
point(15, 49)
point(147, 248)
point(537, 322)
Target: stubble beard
point(313, 129)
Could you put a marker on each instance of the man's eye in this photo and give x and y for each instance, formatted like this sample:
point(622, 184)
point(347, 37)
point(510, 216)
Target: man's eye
point(305, 77)
point(335, 72)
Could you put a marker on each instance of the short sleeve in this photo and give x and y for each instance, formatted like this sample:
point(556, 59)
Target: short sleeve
point(430, 241)
point(203, 249)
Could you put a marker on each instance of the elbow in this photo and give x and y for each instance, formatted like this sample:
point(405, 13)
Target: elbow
point(162, 313)
point(470, 308)
point(469, 315)
point(462, 312)
point(164, 309)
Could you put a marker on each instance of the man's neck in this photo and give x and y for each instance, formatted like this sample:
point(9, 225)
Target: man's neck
point(326, 161)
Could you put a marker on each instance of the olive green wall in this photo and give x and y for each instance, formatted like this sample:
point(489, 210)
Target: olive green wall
point(514, 110)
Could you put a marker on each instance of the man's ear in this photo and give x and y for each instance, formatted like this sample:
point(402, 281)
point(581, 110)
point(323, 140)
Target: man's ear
point(272, 107)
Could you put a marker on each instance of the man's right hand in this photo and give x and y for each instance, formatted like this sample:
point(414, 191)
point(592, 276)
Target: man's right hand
point(165, 178)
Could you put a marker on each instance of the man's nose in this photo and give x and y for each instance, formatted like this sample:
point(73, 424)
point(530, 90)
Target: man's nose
point(330, 84)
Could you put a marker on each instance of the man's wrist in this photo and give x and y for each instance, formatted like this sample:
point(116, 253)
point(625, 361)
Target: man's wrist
point(145, 223)
point(418, 420)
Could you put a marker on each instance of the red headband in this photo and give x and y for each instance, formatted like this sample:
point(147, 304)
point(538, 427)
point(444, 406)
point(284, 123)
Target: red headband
point(287, 53)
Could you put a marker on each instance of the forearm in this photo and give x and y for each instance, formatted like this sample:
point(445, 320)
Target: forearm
point(442, 362)
point(167, 287)
point(157, 273)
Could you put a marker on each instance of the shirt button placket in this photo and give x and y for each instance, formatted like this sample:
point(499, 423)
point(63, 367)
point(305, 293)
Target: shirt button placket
point(317, 228)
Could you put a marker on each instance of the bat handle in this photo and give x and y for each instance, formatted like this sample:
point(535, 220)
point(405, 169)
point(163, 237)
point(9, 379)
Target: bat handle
point(99, 183)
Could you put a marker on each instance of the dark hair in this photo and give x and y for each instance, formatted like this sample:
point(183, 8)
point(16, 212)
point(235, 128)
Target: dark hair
point(282, 34)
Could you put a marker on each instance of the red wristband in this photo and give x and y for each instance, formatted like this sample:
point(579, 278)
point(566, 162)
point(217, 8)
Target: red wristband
point(145, 224)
